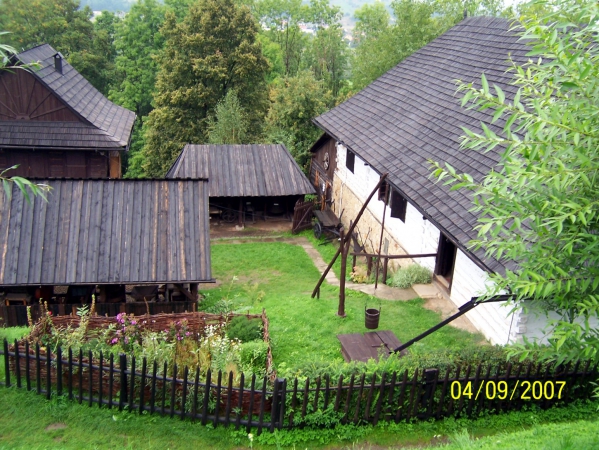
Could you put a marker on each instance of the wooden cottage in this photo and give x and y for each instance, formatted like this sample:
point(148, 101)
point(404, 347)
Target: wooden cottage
point(245, 181)
point(409, 116)
point(54, 123)
point(102, 236)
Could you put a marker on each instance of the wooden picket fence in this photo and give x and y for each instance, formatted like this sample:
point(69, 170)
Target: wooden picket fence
point(122, 382)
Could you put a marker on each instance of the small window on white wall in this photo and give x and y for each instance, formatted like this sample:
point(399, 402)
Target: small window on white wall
point(350, 160)
point(398, 205)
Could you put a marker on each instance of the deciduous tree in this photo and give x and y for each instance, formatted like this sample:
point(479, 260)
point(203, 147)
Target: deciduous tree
point(282, 18)
point(294, 102)
point(211, 51)
point(138, 42)
point(383, 48)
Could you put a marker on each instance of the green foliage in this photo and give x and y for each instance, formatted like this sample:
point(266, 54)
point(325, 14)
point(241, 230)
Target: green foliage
point(211, 51)
point(442, 359)
point(327, 53)
point(24, 185)
point(244, 329)
point(282, 19)
point(382, 45)
point(539, 208)
point(327, 56)
point(253, 357)
point(138, 42)
point(371, 21)
point(451, 12)
point(65, 27)
point(404, 278)
point(295, 101)
point(230, 124)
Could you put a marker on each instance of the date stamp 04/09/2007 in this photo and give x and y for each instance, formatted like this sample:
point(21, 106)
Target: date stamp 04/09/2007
point(491, 390)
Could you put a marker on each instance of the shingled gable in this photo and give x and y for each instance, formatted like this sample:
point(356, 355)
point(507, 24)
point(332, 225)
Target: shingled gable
point(89, 122)
point(412, 114)
point(253, 170)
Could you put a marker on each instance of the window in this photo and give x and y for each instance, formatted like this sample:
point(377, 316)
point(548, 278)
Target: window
point(398, 205)
point(350, 160)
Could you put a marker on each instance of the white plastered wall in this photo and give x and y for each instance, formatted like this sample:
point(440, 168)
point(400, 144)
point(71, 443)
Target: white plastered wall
point(417, 236)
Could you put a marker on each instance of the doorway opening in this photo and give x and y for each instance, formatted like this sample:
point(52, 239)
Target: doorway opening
point(445, 262)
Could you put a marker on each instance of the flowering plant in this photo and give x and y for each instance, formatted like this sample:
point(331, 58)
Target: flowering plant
point(127, 332)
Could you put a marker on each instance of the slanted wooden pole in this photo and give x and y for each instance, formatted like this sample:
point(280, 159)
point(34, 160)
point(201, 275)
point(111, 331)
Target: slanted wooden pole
point(349, 232)
point(378, 261)
point(341, 309)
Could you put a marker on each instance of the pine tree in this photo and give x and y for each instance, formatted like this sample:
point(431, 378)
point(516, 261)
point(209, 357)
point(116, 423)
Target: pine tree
point(229, 126)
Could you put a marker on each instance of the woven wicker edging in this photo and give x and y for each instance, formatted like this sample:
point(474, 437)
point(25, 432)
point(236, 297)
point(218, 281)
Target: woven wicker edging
point(196, 322)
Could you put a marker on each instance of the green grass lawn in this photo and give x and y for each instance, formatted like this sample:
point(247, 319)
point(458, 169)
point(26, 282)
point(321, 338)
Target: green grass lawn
point(304, 329)
point(29, 421)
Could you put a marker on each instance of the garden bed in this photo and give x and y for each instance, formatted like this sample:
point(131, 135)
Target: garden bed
point(104, 374)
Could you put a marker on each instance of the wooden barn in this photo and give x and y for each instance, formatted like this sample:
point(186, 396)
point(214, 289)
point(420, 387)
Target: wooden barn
point(106, 237)
point(245, 181)
point(54, 123)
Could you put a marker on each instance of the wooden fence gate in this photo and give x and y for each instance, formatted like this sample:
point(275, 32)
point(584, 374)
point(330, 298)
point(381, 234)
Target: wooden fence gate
point(302, 216)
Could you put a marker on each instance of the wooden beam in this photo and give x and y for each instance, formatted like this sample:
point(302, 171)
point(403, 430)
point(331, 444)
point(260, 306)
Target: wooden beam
point(349, 232)
point(185, 292)
point(371, 255)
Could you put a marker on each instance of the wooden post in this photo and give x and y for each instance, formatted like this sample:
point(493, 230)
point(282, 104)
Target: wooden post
point(349, 232)
point(102, 293)
point(341, 309)
point(240, 211)
point(193, 288)
point(378, 261)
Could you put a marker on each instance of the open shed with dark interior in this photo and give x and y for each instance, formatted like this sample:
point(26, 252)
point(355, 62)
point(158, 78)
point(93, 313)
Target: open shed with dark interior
point(245, 182)
point(111, 238)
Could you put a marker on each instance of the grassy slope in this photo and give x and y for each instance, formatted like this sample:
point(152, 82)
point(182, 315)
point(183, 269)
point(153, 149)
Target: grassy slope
point(304, 329)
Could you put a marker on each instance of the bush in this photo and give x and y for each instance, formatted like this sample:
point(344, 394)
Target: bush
point(244, 329)
point(414, 274)
point(253, 357)
point(487, 355)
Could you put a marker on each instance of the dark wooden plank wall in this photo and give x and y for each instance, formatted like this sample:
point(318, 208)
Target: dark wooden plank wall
point(327, 145)
point(56, 164)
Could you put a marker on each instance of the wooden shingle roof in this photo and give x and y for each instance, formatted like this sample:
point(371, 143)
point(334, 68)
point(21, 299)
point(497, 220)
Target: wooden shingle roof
point(102, 124)
point(106, 232)
point(412, 114)
point(252, 170)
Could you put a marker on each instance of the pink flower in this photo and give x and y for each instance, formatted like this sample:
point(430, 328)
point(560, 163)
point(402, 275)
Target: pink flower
point(114, 341)
point(133, 322)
